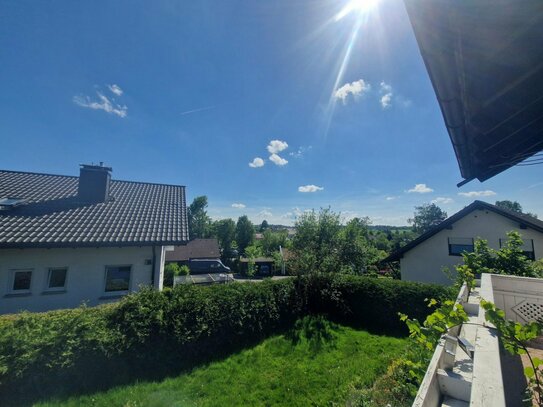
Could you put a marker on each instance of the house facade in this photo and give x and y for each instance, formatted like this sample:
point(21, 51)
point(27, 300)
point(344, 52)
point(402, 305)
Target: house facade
point(89, 239)
point(424, 258)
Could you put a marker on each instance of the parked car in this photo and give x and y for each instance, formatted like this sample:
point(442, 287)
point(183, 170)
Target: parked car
point(198, 266)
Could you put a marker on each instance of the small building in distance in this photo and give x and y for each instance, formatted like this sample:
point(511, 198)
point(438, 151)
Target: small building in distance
point(263, 265)
point(195, 249)
point(424, 258)
point(65, 240)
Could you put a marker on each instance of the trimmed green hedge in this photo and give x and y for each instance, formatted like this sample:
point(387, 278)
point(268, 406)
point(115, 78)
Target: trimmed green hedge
point(153, 334)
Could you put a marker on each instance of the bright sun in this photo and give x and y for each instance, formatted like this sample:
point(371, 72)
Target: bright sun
point(356, 6)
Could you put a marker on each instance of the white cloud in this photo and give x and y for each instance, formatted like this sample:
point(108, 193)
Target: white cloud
point(385, 87)
point(300, 152)
point(309, 188)
point(420, 189)
point(238, 205)
point(473, 194)
point(391, 198)
point(442, 200)
point(277, 146)
point(404, 102)
point(257, 162)
point(386, 95)
point(104, 104)
point(116, 89)
point(274, 158)
point(265, 214)
point(386, 100)
point(356, 88)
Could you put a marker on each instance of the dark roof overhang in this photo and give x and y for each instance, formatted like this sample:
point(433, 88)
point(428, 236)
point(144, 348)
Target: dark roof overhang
point(485, 62)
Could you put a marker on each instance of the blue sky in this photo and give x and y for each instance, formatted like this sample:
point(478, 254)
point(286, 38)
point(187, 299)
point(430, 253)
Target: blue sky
point(340, 111)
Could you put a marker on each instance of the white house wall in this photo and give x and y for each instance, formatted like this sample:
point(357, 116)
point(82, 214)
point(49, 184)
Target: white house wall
point(425, 261)
point(85, 281)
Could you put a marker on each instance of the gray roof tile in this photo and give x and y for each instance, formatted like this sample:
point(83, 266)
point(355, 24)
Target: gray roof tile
point(138, 213)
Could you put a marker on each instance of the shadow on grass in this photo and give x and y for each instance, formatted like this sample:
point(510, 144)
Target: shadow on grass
point(317, 331)
point(95, 373)
point(162, 359)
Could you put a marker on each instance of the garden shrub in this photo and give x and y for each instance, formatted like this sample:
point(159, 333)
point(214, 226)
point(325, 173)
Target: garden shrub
point(371, 303)
point(151, 334)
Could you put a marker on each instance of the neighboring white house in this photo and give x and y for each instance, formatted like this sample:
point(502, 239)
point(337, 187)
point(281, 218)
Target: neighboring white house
point(65, 240)
point(424, 258)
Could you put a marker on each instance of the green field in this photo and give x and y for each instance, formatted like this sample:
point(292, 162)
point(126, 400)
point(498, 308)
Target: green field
point(315, 365)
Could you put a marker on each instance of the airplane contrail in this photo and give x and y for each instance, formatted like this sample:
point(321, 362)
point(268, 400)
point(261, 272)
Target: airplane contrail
point(201, 109)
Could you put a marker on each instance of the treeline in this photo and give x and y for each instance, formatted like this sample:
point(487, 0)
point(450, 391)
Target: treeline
point(322, 240)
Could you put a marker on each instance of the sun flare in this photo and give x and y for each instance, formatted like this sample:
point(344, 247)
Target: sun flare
point(357, 6)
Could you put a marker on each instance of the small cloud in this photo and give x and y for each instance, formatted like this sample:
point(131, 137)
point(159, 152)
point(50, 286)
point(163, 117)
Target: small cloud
point(388, 97)
point(404, 102)
point(420, 189)
point(300, 152)
point(274, 158)
point(265, 214)
point(385, 87)
point(386, 100)
point(309, 188)
point(474, 194)
point(115, 89)
point(356, 88)
point(277, 146)
point(391, 198)
point(256, 163)
point(386, 94)
point(103, 104)
point(442, 200)
point(238, 205)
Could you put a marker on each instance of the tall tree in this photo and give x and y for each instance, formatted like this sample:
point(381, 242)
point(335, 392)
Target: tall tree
point(199, 222)
point(272, 240)
point(513, 206)
point(245, 233)
point(323, 244)
point(315, 242)
point(264, 225)
point(509, 205)
point(356, 252)
point(427, 216)
point(225, 229)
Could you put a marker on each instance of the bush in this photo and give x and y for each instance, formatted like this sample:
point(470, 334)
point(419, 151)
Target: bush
point(152, 334)
point(370, 303)
point(172, 270)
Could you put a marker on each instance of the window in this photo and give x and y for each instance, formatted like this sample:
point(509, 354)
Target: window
point(56, 279)
point(22, 280)
point(459, 245)
point(527, 247)
point(117, 278)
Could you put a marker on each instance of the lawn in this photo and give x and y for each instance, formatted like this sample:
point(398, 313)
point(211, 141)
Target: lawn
point(316, 364)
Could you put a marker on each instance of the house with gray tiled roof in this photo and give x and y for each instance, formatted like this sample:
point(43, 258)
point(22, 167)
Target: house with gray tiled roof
point(424, 258)
point(195, 249)
point(65, 240)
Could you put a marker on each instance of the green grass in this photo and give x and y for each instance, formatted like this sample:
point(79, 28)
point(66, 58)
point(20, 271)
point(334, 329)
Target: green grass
point(315, 365)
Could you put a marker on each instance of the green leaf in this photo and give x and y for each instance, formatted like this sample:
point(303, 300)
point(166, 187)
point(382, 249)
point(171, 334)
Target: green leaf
point(529, 372)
